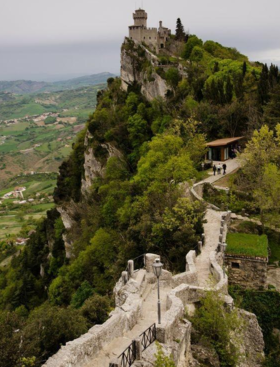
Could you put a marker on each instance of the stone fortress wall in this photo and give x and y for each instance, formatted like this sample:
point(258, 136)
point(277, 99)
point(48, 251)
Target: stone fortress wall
point(153, 37)
point(247, 271)
point(129, 296)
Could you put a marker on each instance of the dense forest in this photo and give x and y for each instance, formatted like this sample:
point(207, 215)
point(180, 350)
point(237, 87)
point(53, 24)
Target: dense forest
point(139, 204)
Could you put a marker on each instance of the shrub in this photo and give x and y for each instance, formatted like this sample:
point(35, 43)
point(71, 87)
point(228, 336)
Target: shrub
point(189, 46)
point(217, 326)
point(96, 309)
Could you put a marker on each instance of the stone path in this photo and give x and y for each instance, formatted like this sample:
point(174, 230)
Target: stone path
point(212, 232)
point(149, 309)
point(149, 316)
point(232, 165)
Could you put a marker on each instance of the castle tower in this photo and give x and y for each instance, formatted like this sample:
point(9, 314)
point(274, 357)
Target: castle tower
point(140, 18)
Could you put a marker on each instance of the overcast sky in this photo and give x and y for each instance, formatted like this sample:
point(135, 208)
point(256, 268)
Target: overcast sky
point(54, 39)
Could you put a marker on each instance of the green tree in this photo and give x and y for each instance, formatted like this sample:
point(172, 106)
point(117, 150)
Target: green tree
point(272, 109)
point(173, 77)
point(82, 294)
point(189, 46)
point(96, 309)
point(244, 69)
point(10, 338)
point(260, 171)
point(180, 32)
point(219, 327)
point(48, 328)
point(197, 54)
point(263, 86)
point(229, 90)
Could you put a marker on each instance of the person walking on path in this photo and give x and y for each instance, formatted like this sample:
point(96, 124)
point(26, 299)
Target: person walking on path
point(214, 169)
point(224, 168)
point(219, 168)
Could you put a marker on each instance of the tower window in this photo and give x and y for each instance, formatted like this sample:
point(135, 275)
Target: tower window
point(149, 37)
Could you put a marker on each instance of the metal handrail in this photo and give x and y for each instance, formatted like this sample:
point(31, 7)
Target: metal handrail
point(128, 356)
point(148, 336)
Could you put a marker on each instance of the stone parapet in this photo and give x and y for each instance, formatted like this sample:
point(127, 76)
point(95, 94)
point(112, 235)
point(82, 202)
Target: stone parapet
point(81, 351)
point(190, 275)
point(219, 274)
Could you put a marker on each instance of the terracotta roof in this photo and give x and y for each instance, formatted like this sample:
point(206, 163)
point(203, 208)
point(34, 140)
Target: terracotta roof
point(223, 142)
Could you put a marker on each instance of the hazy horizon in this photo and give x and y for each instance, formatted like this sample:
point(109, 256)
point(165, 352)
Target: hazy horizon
point(63, 39)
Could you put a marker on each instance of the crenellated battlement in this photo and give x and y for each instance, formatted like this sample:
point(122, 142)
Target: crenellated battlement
point(156, 38)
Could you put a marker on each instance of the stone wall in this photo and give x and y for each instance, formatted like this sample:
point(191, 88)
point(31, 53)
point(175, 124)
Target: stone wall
point(147, 35)
point(81, 351)
point(247, 272)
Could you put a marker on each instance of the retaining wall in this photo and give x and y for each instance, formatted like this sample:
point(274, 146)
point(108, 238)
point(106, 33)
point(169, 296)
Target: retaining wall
point(81, 351)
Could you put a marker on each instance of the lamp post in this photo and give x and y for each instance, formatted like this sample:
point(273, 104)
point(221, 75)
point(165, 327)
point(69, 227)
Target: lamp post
point(157, 268)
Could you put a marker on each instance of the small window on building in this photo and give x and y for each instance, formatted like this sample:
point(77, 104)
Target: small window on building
point(149, 37)
point(235, 265)
point(162, 45)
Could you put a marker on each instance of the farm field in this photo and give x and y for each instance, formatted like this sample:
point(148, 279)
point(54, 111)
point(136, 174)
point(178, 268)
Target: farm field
point(31, 141)
point(18, 218)
point(36, 134)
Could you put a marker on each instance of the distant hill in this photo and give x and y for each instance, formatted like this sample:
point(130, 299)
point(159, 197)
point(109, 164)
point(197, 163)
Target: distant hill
point(28, 86)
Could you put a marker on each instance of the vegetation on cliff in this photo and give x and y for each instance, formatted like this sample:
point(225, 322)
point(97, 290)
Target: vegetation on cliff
point(137, 206)
point(138, 203)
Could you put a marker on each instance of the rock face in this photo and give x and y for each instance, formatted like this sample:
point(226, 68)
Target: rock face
point(93, 168)
point(253, 344)
point(152, 86)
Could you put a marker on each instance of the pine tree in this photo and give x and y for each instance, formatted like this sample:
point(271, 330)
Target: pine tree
point(273, 76)
point(263, 86)
point(244, 68)
point(229, 90)
point(272, 109)
point(180, 33)
point(238, 86)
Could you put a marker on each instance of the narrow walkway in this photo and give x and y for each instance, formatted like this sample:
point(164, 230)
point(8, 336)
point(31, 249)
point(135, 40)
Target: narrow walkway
point(232, 165)
point(212, 232)
point(149, 316)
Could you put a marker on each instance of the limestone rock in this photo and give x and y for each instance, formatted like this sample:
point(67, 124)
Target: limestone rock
point(151, 87)
point(253, 344)
point(204, 356)
point(93, 168)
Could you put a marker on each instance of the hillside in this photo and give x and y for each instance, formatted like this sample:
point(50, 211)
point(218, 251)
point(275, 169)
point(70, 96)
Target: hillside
point(124, 191)
point(28, 86)
point(36, 132)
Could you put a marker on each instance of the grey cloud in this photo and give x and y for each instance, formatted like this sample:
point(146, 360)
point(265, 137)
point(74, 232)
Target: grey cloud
point(63, 37)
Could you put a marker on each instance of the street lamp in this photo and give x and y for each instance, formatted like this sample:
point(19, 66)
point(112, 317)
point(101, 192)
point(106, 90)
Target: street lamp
point(157, 268)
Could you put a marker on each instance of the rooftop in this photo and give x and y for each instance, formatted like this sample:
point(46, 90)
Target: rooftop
point(242, 244)
point(223, 142)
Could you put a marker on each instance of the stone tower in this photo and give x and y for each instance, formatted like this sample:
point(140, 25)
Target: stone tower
point(140, 18)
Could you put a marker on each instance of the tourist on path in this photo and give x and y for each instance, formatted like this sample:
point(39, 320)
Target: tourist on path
point(214, 169)
point(224, 168)
point(219, 168)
